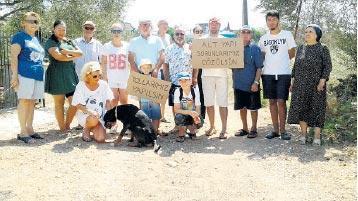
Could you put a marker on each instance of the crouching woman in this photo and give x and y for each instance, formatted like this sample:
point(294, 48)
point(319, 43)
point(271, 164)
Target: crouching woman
point(92, 98)
point(187, 107)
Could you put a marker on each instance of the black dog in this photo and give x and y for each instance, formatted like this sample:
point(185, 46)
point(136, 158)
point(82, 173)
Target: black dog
point(136, 121)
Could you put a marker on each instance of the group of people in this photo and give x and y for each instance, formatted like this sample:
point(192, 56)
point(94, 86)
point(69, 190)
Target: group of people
point(93, 78)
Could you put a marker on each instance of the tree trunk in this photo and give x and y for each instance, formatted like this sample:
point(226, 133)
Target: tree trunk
point(298, 18)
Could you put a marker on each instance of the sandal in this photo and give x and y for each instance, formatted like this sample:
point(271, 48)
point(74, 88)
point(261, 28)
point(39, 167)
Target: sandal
point(210, 132)
point(86, 138)
point(26, 139)
point(36, 136)
point(192, 136)
point(180, 139)
point(252, 134)
point(241, 132)
point(223, 136)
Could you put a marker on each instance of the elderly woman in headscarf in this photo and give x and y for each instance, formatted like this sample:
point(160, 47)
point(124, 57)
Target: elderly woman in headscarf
point(308, 85)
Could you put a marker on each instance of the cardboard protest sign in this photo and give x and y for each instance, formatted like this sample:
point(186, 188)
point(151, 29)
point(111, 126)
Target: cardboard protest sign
point(148, 87)
point(218, 53)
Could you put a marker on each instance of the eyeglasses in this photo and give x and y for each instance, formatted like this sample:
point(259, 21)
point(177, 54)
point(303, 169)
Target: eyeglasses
point(245, 32)
point(179, 34)
point(116, 31)
point(89, 28)
point(198, 32)
point(32, 21)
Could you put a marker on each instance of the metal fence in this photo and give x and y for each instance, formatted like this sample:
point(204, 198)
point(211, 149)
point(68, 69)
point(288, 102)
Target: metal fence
point(8, 98)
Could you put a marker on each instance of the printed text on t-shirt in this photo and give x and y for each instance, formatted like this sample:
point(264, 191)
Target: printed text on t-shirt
point(117, 61)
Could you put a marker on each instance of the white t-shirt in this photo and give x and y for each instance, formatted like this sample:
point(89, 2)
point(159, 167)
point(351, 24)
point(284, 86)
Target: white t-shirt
point(215, 72)
point(186, 102)
point(93, 100)
point(277, 60)
point(117, 62)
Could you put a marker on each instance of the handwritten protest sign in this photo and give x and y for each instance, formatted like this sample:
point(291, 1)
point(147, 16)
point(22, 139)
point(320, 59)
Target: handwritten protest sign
point(218, 53)
point(147, 87)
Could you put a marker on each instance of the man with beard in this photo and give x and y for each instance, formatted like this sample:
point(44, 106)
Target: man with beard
point(177, 60)
point(278, 47)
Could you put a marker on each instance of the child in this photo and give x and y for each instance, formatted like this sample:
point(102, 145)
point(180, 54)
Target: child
point(150, 108)
point(186, 107)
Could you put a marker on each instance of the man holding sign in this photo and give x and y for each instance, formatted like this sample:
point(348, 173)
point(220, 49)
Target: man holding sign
point(215, 84)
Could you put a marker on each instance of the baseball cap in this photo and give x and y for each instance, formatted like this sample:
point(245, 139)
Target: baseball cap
point(183, 76)
point(89, 23)
point(246, 27)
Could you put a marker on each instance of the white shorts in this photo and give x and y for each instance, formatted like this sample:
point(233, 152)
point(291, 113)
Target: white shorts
point(215, 87)
point(82, 118)
point(30, 88)
point(117, 84)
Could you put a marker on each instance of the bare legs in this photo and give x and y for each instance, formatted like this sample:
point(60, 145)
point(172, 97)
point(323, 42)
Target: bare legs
point(25, 112)
point(63, 124)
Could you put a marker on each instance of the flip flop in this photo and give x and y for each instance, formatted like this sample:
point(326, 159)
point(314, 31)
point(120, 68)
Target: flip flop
point(86, 138)
point(26, 139)
point(180, 139)
point(192, 136)
point(223, 136)
point(241, 132)
point(36, 136)
point(210, 132)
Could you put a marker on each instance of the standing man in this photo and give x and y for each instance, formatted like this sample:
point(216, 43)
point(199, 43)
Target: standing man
point(278, 46)
point(247, 84)
point(146, 46)
point(90, 47)
point(166, 39)
point(178, 60)
point(197, 33)
point(215, 85)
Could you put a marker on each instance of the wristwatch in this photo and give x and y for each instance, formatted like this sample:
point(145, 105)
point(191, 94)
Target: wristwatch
point(256, 82)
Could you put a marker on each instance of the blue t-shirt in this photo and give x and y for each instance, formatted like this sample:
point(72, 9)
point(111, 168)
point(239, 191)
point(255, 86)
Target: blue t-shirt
point(30, 57)
point(244, 78)
point(146, 48)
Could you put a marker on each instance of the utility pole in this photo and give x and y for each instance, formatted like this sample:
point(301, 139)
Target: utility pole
point(245, 19)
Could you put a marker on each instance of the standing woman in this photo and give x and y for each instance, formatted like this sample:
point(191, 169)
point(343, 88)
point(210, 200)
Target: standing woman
point(308, 85)
point(27, 74)
point(61, 77)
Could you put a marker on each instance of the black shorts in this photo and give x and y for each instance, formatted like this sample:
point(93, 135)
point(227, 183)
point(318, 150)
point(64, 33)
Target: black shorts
point(248, 100)
point(171, 94)
point(276, 87)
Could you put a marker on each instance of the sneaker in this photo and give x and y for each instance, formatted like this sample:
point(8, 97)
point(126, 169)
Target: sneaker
point(272, 135)
point(316, 142)
point(285, 136)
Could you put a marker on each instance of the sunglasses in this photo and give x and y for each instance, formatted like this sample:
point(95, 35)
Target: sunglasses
point(32, 21)
point(96, 76)
point(198, 32)
point(179, 34)
point(89, 28)
point(245, 32)
point(116, 31)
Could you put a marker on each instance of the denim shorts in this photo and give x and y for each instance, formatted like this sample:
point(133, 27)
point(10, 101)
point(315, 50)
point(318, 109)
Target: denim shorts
point(151, 109)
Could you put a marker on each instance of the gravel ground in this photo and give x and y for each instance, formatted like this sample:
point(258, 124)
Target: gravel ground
point(63, 167)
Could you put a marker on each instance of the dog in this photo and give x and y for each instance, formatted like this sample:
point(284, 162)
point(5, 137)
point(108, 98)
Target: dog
point(134, 120)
